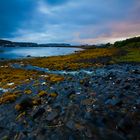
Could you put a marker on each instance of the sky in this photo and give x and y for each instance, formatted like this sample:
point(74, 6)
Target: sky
point(69, 21)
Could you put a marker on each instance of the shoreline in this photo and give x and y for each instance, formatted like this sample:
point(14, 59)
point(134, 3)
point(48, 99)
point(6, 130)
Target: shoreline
point(91, 94)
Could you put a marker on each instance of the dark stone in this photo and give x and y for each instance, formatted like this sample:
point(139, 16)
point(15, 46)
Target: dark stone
point(108, 134)
point(127, 86)
point(113, 102)
point(118, 81)
point(52, 115)
point(71, 94)
point(26, 103)
point(88, 132)
point(135, 71)
point(70, 124)
point(86, 84)
point(125, 125)
point(39, 112)
point(87, 102)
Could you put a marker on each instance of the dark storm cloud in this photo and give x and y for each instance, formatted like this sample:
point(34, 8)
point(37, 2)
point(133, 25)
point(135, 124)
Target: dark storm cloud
point(12, 14)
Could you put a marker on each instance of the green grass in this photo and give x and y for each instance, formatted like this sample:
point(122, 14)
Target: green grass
point(133, 55)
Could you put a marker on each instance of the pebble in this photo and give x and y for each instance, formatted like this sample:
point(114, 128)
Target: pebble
point(51, 116)
point(87, 101)
point(70, 124)
point(39, 113)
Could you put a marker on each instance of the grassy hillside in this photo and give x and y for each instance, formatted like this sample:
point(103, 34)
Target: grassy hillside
point(132, 47)
point(132, 42)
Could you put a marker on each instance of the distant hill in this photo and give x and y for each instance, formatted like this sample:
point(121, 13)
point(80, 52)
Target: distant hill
point(7, 43)
point(131, 42)
point(55, 45)
point(4, 42)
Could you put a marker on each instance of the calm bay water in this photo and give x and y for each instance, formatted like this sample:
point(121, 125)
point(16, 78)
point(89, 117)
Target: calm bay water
point(23, 52)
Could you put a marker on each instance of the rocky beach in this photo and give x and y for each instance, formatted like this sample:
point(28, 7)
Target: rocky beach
point(91, 94)
point(69, 70)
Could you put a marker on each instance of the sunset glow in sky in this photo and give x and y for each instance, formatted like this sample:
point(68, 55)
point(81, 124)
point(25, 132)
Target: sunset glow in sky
point(69, 21)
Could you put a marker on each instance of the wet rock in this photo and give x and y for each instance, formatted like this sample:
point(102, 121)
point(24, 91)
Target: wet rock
point(87, 101)
point(77, 112)
point(118, 81)
point(113, 102)
point(88, 132)
point(109, 135)
point(86, 84)
point(127, 86)
point(125, 125)
point(52, 115)
point(71, 94)
point(111, 75)
point(135, 71)
point(79, 126)
point(24, 104)
point(39, 113)
point(71, 124)
point(40, 134)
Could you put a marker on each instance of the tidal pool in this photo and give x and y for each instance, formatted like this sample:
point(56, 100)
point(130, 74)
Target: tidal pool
point(24, 52)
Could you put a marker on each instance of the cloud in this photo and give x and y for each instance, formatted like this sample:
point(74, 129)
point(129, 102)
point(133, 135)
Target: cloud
point(112, 32)
point(70, 21)
point(55, 2)
point(12, 14)
point(84, 12)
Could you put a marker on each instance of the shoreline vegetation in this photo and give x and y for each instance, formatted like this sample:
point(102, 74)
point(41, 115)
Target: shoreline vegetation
point(101, 103)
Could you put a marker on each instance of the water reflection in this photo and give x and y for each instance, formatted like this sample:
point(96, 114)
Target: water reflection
point(14, 53)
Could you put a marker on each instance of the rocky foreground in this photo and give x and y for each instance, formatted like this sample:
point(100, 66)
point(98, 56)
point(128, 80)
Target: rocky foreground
point(92, 104)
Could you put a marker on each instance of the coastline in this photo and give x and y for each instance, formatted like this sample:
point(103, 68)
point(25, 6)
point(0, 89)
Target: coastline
point(79, 95)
